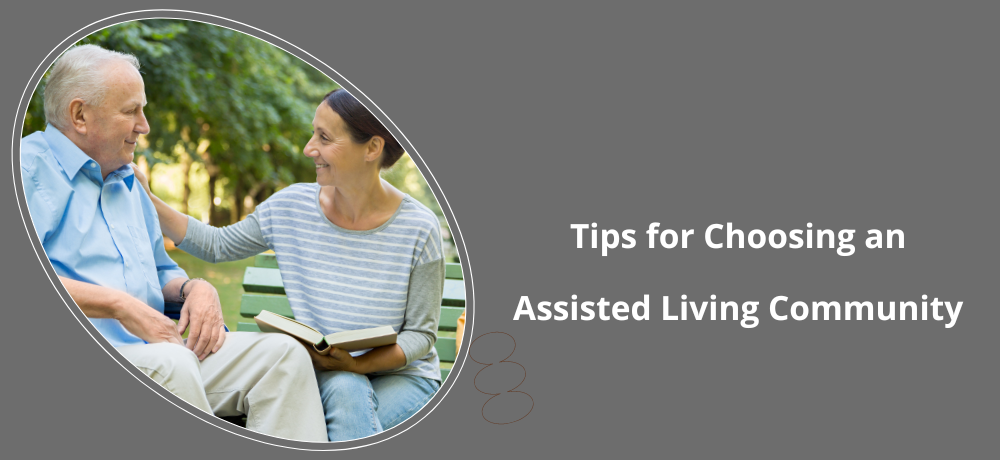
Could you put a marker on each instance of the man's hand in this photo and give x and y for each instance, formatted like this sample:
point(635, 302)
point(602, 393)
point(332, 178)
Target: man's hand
point(137, 317)
point(149, 324)
point(202, 311)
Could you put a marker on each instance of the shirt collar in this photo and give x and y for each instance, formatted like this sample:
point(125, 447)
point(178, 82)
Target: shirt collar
point(69, 156)
point(72, 159)
point(125, 174)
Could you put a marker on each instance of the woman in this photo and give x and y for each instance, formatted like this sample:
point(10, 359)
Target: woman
point(354, 253)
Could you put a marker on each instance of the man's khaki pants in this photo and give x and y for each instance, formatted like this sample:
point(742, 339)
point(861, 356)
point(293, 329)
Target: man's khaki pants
point(268, 377)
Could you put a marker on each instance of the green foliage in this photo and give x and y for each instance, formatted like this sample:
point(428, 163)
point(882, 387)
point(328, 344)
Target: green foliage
point(405, 176)
point(246, 103)
point(238, 105)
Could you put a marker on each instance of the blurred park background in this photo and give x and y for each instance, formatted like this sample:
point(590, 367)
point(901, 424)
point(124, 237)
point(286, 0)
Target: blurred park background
point(228, 115)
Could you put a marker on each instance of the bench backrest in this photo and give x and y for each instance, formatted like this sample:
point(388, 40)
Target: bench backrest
point(263, 290)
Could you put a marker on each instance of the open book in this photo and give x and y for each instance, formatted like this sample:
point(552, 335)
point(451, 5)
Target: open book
point(359, 339)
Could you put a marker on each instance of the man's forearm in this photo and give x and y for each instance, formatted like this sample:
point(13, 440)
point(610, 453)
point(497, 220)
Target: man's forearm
point(103, 302)
point(134, 315)
point(98, 301)
point(172, 291)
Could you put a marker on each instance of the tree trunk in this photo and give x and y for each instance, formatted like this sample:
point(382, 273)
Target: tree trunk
point(211, 199)
point(236, 211)
point(186, 174)
point(250, 201)
point(262, 194)
point(213, 175)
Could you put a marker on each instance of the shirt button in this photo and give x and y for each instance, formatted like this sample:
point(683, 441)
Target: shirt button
point(112, 225)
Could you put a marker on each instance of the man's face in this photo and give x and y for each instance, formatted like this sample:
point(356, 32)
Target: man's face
point(114, 126)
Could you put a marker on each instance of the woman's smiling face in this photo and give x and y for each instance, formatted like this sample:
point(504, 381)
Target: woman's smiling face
point(336, 155)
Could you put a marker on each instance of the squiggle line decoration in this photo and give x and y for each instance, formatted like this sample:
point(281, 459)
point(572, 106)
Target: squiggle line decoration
point(494, 395)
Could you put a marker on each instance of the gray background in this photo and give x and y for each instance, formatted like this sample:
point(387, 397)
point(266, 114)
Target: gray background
point(534, 118)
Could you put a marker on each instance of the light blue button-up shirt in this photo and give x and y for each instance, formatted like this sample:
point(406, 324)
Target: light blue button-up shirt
point(95, 230)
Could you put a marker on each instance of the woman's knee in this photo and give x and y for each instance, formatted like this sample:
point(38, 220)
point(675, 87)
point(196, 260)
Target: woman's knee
point(342, 387)
point(402, 396)
point(350, 405)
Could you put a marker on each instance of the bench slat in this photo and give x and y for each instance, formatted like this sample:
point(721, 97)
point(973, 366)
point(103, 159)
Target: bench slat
point(453, 271)
point(172, 309)
point(446, 349)
point(252, 304)
point(454, 293)
point(268, 281)
point(449, 318)
point(247, 327)
point(263, 280)
point(265, 261)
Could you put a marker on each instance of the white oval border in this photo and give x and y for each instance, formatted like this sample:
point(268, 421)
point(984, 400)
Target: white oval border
point(211, 420)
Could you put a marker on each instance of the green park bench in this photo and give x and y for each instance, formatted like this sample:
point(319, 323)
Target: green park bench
point(263, 290)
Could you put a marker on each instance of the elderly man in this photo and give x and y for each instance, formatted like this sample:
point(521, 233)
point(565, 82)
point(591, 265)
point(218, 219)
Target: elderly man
point(101, 233)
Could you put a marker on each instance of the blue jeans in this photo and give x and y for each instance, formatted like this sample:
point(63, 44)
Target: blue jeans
point(357, 405)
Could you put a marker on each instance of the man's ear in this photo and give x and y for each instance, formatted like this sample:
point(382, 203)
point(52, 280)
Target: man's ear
point(375, 145)
point(77, 117)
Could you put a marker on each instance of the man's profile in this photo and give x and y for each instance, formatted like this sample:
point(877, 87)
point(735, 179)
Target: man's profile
point(100, 231)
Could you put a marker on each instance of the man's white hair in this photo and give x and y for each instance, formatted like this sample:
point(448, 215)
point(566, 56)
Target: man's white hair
point(78, 73)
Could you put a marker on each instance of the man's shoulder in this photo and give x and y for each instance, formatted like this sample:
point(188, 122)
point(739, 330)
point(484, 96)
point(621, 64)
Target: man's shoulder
point(47, 189)
point(35, 151)
point(39, 166)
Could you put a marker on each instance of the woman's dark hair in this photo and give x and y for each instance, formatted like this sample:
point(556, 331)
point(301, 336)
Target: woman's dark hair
point(363, 125)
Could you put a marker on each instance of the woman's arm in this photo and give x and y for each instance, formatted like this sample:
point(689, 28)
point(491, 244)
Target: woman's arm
point(416, 337)
point(423, 311)
point(378, 359)
point(173, 223)
point(238, 241)
point(234, 242)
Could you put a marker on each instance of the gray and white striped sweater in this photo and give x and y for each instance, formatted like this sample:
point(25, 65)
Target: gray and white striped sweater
point(338, 279)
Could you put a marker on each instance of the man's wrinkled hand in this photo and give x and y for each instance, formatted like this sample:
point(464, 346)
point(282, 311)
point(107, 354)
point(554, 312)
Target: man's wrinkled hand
point(202, 313)
point(150, 325)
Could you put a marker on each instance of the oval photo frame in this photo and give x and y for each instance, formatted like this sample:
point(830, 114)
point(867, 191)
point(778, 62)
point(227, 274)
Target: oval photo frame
point(322, 67)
